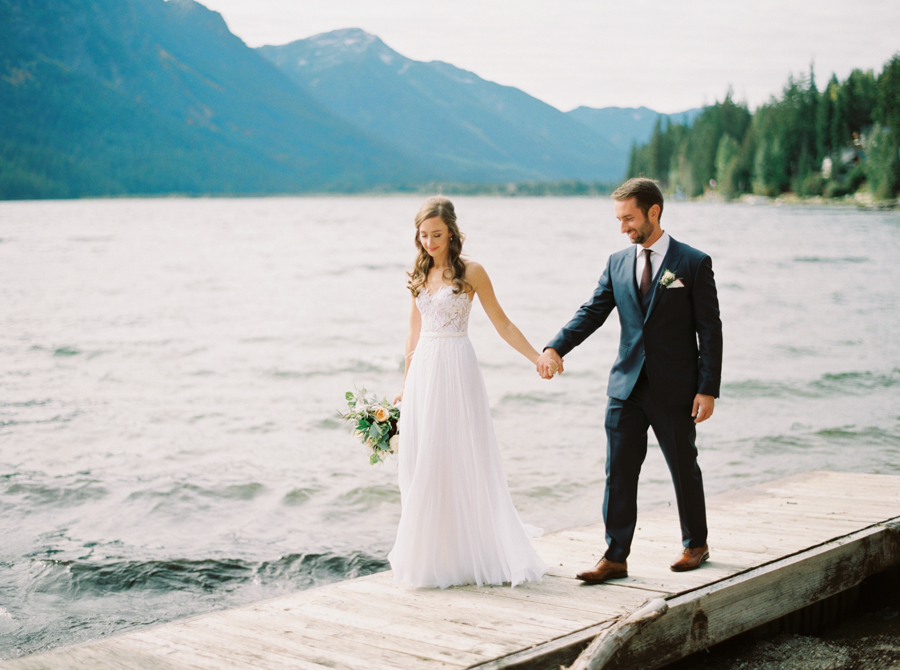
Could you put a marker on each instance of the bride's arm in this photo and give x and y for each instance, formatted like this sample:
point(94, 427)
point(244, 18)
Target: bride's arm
point(412, 340)
point(481, 283)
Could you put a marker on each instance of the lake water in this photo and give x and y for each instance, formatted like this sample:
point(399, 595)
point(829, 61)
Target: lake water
point(171, 370)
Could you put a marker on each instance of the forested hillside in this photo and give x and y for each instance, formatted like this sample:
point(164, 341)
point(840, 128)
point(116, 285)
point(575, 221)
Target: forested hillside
point(830, 142)
point(104, 97)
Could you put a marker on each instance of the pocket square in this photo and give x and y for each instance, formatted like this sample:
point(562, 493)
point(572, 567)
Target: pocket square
point(676, 284)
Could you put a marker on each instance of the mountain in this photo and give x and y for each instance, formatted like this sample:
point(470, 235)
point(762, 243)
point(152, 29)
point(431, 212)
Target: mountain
point(103, 97)
point(467, 128)
point(623, 126)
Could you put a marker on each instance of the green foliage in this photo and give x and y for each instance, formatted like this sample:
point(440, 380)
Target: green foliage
point(887, 106)
point(882, 166)
point(829, 122)
point(857, 100)
point(374, 422)
point(784, 144)
point(685, 158)
point(727, 157)
point(813, 184)
point(847, 183)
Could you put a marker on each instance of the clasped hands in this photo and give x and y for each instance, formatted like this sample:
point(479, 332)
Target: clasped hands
point(549, 364)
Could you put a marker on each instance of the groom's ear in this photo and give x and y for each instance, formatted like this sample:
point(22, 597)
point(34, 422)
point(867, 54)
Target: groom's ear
point(653, 214)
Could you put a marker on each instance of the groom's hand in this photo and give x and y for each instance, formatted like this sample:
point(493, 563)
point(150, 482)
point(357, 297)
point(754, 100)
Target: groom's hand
point(549, 364)
point(703, 407)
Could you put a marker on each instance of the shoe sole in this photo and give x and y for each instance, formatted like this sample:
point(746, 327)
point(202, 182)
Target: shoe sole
point(702, 560)
point(617, 575)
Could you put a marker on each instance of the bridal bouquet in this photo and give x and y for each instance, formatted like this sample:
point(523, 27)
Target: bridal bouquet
point(373, 422)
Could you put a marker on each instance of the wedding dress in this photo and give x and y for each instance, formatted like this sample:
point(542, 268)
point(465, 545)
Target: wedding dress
point(458, 524)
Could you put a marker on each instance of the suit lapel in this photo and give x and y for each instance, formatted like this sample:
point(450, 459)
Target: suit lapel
point(670, 262)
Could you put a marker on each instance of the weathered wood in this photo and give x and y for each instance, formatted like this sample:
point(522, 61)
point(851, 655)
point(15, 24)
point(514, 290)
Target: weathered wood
point(715, 613)
point(480, 606)
point(612, 600)
point(775, 548)
point(616, 636)
point(324, 632)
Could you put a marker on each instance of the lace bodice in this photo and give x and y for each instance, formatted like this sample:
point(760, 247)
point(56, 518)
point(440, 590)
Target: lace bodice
point(445, 311)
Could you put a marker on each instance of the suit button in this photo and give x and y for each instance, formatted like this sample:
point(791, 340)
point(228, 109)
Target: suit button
point(643, 353)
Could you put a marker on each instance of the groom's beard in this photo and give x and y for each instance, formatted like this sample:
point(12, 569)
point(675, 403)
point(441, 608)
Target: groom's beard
point(644, 230)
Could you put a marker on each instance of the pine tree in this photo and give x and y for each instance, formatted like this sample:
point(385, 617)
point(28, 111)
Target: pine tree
point(824, 118)
point(887, 107)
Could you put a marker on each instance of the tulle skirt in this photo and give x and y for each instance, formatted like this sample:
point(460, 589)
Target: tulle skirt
point(458, 524)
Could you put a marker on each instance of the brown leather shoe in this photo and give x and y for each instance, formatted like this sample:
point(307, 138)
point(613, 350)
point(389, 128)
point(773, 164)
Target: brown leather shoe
point(691, 559)
point(604, 570)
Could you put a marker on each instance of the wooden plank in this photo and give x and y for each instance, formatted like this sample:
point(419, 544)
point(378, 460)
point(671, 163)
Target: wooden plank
point(715, 613)
point(115, 653)
point(555, 654)
point(480, 618)
point(484, 641)
point(282, 648)
point(325, 632)
point(610, 600)
point(481, 604)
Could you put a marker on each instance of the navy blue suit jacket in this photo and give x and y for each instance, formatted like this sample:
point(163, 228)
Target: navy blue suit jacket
point(680, 337)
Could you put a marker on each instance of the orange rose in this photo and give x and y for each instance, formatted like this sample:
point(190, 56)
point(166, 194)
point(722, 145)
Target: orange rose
point(382, 414)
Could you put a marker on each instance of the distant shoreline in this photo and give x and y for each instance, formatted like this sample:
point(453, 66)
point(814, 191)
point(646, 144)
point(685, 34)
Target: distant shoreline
point(563, 189)
point(860, 199)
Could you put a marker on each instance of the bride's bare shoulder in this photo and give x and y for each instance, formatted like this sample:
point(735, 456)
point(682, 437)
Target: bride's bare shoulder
point(474, 268)
point(476, 275)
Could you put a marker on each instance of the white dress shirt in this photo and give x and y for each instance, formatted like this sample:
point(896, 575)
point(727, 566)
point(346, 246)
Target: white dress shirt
point(657, 253)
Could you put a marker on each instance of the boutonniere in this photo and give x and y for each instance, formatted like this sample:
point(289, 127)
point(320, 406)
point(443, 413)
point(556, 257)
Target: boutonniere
point(669, 280)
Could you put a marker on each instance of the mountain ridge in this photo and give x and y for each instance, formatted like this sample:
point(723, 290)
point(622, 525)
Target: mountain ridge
point(145, 96)
point(131, 97)
point(475, 128)
point(624, 126)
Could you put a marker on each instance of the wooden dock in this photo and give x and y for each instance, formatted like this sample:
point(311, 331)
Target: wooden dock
point(775, 548)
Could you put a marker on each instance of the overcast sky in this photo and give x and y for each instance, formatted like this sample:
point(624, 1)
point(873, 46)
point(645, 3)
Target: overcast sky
point(668, 55)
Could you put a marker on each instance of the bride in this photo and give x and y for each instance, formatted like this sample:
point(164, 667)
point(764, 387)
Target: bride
point(458, 524)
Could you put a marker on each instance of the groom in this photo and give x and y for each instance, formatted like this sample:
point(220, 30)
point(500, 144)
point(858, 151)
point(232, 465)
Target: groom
point(666, 375)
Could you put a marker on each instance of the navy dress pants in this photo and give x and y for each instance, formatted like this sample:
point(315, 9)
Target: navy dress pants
point(627, 422)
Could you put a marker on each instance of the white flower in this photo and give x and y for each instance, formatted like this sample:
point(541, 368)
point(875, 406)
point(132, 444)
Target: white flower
point(667, 278)
point(395, 443)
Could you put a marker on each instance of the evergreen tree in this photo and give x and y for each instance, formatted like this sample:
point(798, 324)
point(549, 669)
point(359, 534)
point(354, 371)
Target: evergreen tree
point(784, 143)
point(633, 168)
point(839, 130)
point(658, 158)
point(858, 100)
point(824, 117)
point(727, 156)
point(887, 107)
point(882, 166)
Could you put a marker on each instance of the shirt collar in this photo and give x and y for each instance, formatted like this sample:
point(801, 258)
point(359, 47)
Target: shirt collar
point(661, 246)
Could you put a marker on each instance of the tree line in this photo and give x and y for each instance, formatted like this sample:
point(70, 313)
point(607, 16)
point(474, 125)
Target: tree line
point(831, 142)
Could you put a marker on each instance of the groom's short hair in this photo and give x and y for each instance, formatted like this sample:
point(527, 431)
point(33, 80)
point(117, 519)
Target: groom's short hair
point(645, 192)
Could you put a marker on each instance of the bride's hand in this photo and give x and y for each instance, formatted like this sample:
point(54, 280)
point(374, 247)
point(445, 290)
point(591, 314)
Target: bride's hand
point(549, 364)
point(398, 397)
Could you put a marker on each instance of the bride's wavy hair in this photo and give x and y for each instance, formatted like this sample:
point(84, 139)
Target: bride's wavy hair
point(443, 208)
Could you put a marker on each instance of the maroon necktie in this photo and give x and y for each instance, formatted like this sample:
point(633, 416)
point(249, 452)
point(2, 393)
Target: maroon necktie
point(646, 275)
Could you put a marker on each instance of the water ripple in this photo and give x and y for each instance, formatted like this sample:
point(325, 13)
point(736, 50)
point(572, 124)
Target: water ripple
point(829, 384)
point(81, 579)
